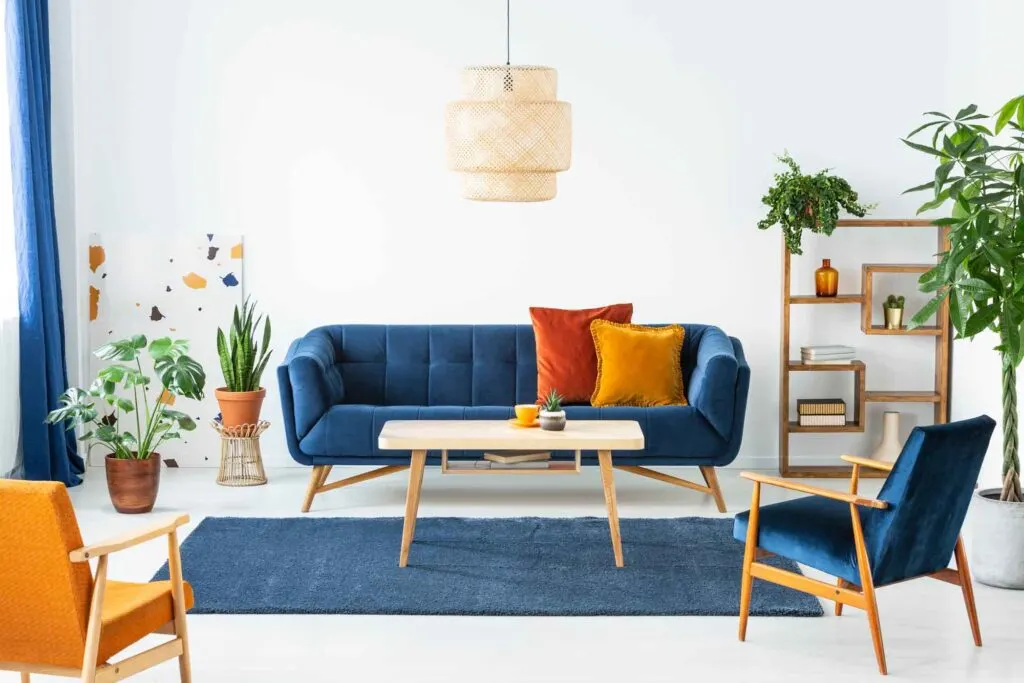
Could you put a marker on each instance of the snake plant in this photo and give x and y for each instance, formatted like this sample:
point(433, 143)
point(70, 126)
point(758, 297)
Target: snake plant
point(242, 358)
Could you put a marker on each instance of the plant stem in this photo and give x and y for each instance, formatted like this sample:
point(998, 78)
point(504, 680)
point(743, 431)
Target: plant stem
point(138, 424)
point(1011, 461)
point(145, 399)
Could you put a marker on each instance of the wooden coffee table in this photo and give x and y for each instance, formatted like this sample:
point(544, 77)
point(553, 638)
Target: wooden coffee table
point(419, 436)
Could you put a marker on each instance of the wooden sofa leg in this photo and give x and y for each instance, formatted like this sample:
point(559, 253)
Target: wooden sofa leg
point(711, 479)
point(968, 589)
point(315, 482)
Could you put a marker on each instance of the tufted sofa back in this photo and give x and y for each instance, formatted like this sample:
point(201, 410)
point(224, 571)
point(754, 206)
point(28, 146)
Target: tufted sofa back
point(450, 365)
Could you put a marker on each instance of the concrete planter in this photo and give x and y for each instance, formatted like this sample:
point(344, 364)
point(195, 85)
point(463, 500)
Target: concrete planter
point(552, 421)
point(997, 542)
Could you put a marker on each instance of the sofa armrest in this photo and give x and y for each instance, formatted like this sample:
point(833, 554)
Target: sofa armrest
point(713, 383)
point(310, 380)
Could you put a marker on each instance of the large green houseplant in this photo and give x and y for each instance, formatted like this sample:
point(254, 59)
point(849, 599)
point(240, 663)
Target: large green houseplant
point(243, 358)
point(980, 174)
point(117, 415)
point(801, 202)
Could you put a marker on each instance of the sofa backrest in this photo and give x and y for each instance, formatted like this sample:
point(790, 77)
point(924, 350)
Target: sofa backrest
point(455, 365)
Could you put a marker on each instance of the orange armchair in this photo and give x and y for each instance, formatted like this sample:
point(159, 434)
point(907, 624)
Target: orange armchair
point(60, 620)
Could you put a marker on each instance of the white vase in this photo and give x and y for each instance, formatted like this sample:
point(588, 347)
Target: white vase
point(889, 447)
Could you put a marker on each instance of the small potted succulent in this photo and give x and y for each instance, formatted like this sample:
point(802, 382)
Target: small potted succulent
point(242, 360)
point(133, 461)
point(552, 416)
point(893, 308)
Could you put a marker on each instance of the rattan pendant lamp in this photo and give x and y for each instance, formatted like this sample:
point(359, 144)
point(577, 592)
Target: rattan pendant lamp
point(509, 134)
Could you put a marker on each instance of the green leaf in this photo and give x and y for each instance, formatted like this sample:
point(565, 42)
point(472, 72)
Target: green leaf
point(924, 148)
point(928, 310)
point(941, 173)
point(965, 112)
point(923, 127)
point(981, 319)
point(959, 309)
point(939, 200)
point(1006, 113)
point(160, 348)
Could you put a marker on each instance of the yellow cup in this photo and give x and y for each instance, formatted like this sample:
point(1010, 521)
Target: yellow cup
point(526, 413)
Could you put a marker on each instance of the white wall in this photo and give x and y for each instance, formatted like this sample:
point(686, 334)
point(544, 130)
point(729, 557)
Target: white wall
point(314, 128)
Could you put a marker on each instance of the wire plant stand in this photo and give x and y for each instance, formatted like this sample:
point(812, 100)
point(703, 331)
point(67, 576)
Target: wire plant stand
point(241, 463)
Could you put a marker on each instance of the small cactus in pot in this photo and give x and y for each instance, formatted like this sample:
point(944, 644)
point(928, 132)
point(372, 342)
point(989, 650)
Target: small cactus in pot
point(552, 416)
point(893, 308)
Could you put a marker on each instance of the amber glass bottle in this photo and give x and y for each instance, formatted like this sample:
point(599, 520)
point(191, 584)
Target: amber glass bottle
point(826, 279)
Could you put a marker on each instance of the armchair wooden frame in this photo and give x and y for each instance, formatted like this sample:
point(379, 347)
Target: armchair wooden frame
point(843, 592)
point(91, 672)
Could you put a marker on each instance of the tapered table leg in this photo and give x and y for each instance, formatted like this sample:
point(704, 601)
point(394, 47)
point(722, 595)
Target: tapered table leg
point(412, 503)
point(608, 482)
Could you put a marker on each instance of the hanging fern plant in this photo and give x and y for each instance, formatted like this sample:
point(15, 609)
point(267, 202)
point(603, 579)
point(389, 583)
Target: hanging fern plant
point(801, 202)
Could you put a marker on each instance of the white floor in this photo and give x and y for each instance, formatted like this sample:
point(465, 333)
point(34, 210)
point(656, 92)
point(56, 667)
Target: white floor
point(924, 624)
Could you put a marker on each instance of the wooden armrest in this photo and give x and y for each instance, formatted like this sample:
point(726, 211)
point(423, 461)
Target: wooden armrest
point(111, 545)
point(851, 498)
point(868, 462)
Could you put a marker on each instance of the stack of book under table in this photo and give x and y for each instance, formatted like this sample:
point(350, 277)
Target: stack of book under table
point(827, 355)
point(821, 412)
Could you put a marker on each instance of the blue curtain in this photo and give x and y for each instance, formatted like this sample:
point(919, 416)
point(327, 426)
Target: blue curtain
point(49, 453)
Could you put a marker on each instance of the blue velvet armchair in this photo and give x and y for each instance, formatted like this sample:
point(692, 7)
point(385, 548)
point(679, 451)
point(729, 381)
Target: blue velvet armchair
point(911, 530)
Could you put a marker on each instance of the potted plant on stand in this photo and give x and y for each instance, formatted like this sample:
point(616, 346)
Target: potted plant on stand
point(801, 202)
point(552, 416)
point(981, 276)
point(242, 360)
point(133, 463)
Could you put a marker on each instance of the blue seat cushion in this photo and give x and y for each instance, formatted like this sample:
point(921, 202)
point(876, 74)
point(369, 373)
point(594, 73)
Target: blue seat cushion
point(669, 431)
point(814, 531)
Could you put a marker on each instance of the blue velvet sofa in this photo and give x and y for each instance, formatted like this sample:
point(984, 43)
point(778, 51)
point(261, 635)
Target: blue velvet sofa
point(339, 384)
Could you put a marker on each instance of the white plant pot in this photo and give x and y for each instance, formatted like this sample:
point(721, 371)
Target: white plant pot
point(997, 542)
point(552, 421)
point(890, 447)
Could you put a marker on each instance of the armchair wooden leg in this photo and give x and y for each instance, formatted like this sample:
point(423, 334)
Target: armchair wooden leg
point(315, 482)
point(92, 633)
point(867, 584)
point(24, 677)
point(840, 583)
point(967, 587)
point(750, 551)
point(711, 479)
point(178, 598)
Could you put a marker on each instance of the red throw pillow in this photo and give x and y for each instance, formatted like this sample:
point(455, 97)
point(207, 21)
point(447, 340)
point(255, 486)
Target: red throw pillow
point(566, 359)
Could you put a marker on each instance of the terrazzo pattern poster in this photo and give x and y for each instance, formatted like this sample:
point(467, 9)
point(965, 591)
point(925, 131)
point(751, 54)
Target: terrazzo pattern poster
point(165, 287)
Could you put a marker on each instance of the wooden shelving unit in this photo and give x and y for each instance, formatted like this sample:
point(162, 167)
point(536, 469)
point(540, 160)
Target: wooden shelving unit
point(938, 395)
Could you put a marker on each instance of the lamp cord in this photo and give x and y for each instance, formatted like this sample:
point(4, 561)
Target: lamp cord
point(508, 34)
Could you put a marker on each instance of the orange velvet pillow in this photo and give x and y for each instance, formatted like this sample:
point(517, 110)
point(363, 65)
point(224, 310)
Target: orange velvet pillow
point(566, 360)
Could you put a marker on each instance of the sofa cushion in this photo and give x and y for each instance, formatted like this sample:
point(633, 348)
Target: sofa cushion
point(566, 361)
point(638, 365)
point(669, 431)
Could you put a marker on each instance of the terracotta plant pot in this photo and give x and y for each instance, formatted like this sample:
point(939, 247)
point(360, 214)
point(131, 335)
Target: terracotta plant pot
point(133, 484)
point(239, 408)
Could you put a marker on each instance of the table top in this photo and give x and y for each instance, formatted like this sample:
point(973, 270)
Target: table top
point(599, 435)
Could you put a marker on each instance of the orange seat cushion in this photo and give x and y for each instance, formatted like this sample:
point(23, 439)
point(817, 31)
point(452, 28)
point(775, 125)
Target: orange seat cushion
point(566, 361)
point(638, 365)
point(132, 611)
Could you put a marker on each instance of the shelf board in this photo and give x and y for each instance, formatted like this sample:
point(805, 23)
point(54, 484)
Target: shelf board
point(797, 428)
point(831, 472)
point(902, 397)
point(884, 223)
point(838, 299)
point(852, 366)
point(923, 331)
point(898, 267)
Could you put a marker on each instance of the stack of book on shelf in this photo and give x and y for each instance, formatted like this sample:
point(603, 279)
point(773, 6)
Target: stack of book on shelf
point(821, 412)
point(827, 355)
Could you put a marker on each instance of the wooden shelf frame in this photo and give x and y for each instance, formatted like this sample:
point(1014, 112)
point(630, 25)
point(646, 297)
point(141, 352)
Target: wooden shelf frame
point(938, 396)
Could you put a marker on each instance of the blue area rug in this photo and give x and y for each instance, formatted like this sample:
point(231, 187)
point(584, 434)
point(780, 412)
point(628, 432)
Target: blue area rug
point(522, 567)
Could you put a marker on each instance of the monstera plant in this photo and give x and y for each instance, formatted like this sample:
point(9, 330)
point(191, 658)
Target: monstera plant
point(116, 413)
point(979, 181)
